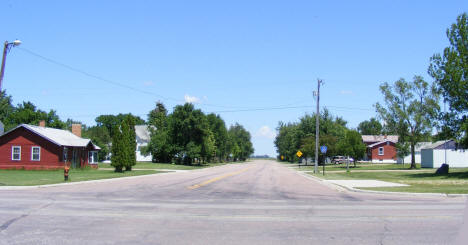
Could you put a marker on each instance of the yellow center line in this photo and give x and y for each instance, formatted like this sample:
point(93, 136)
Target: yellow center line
point(192, 187)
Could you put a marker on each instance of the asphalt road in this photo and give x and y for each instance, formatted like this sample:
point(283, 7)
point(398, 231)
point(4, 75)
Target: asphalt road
point(261, 202)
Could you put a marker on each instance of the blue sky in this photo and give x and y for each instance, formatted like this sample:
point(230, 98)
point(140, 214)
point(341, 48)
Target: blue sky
point(223, 56)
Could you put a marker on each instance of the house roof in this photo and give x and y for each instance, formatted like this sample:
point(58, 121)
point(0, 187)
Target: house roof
point(379, 138)
point(380, 142)
point(58, 136)
point(422, 145)
point(440, 144)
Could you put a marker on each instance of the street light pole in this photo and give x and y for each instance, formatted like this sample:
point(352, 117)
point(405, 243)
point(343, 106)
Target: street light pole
point(6, 48)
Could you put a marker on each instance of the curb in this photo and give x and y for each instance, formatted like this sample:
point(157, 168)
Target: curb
point(346, 188)
point(27, 187)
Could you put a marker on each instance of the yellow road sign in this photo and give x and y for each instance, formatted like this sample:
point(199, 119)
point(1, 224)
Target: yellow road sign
point(299, 154)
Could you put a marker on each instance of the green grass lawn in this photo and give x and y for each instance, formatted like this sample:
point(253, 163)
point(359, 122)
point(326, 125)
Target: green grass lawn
point(42, 177)
point(456, 182)
point(150, 165)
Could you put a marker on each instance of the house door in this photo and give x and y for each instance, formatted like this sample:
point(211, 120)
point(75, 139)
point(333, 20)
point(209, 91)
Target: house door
point(75, 162)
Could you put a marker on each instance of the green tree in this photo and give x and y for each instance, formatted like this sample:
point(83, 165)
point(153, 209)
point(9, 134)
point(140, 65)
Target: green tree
point(130, 142)
point(220, 135)
point(118, 155)
point(242, 146)
point(187, 125)
point(160, 145)
point(6, 109)
point(110, 121)
point(450, 71)
point(370, 127)
point(101, 137)
point(403, 149)
point(410, 109)
point(352, 146)
point(292, 137)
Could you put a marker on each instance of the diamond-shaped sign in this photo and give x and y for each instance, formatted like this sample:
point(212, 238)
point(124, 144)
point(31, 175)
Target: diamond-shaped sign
point(299, 154)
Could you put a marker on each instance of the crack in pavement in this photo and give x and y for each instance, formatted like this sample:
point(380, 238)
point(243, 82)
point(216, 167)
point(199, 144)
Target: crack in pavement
point(11, 221)
point(7, 224)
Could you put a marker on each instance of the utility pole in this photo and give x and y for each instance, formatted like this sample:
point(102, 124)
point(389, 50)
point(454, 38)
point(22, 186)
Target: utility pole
point(6, 48)
point(317, 126)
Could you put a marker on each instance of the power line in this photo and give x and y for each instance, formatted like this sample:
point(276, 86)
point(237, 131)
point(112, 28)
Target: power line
point(119, 84)
point(85, 73)
point(94, 76)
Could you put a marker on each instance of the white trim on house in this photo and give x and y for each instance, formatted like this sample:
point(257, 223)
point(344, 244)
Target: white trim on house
point(38, 153)
point(92, 157)
point(13, 152)
point(381, 151)
point(383, 161)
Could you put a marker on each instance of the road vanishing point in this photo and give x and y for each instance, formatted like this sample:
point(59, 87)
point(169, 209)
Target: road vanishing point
point(259, 202)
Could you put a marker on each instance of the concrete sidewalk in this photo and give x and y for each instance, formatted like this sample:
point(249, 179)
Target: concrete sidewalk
point(364, 183)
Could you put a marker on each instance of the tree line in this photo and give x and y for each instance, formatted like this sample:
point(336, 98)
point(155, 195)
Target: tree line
point(333, 133)
point(188, 136)
point(185, 136)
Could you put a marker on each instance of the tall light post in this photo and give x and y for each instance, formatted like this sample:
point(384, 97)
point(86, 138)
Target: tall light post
point(6, 49)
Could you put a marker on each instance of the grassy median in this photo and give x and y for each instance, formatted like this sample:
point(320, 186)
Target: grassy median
point(456, 182)
point(43, 177)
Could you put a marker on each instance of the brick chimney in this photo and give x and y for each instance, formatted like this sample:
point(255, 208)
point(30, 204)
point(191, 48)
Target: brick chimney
point(42, 123)
point(76, 129)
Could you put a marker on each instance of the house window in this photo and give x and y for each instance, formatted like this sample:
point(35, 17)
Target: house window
point(35, 153)
point(16, 153)
point(381, 151)
point(92, 157)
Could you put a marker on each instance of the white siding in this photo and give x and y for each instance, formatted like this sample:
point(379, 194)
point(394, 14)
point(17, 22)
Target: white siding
point(435, 158)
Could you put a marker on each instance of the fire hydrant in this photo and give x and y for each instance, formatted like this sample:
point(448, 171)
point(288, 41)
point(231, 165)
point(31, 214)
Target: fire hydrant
point(65, 172)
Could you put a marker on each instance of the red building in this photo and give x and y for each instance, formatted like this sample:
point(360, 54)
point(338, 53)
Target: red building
point(381, 148)
point(38, 147)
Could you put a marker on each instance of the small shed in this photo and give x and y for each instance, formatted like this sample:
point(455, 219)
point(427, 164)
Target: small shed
point(440, 152)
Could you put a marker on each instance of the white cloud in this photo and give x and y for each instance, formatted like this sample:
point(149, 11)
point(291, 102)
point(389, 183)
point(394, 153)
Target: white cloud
point(148, 83)
point(346, 92)
point(265, 132)
point(191, 99)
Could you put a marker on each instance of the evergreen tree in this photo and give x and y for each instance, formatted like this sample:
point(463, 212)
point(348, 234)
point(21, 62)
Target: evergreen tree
point(130, 147)
point(117, 160)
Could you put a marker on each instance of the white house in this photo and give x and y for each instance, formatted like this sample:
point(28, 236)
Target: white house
point(436, 154)
point(142, 138)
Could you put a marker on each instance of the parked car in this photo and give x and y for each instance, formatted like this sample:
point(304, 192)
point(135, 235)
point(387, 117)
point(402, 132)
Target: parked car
point(338, 159)
point(341, 159)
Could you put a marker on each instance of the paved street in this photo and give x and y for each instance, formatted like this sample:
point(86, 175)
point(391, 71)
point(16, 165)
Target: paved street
point(261, 202)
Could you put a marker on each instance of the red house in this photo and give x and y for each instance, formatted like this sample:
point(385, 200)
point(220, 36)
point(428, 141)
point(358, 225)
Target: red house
point(38, 147)
point(381, 148)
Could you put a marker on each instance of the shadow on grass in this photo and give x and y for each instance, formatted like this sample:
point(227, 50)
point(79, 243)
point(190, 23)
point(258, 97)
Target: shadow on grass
point(452, 175)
